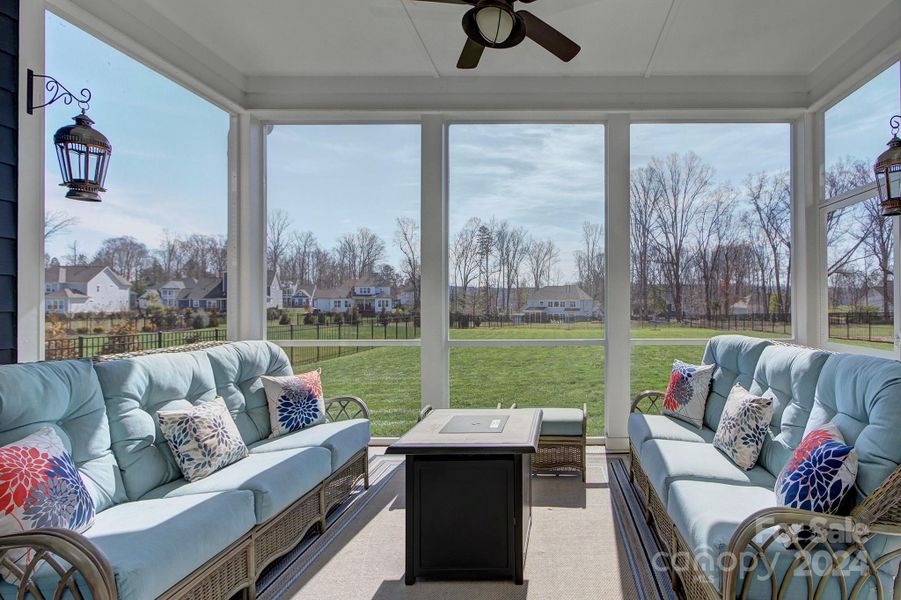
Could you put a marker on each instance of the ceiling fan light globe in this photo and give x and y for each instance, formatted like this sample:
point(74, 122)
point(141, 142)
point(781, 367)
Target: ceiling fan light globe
point(495, 24)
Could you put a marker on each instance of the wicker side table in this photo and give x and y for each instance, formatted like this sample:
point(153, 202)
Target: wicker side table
point(562, 446)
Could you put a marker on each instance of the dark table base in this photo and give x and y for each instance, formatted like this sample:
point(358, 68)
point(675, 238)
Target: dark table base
point(468, 516)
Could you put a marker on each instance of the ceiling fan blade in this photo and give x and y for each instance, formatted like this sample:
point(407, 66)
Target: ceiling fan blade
point(549, 38)
point(472, 52)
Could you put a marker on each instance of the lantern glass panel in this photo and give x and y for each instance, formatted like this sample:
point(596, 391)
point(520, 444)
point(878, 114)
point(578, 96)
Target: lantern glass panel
point(894, 182)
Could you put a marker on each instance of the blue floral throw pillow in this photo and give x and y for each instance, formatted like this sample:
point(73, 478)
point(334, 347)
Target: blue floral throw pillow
point(686, 393)
point(40, 487)
point(820, 472)
point(203, 438)
point(295, 402)
point(744, 426)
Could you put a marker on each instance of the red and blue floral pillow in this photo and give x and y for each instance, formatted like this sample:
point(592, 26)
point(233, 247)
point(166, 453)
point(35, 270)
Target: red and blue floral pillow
point(295, 401)
point(820, 472)
point(40, 487)
point(686, 393)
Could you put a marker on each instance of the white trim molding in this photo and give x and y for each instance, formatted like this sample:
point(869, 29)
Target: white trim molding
point(31, 131)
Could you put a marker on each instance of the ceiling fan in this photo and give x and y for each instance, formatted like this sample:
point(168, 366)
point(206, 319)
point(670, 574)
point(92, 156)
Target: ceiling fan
point(494, 24)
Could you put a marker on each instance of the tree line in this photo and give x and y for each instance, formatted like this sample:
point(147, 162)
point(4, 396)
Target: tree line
point(698, 247)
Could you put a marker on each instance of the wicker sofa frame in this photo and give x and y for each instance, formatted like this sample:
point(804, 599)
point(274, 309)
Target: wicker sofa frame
point(878, 515)
point(79, 562)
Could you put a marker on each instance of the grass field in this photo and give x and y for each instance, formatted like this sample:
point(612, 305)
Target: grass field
point(567, 376)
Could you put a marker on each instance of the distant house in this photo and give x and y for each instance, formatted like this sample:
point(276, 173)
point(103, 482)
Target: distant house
point(70, 290)
point(560, 300)
point(756, 303)
point(364, 293)
point(406, 297)
point(295, 296)
point(211, 292)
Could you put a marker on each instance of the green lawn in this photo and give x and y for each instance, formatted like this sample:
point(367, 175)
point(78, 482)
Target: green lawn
point(388, 379)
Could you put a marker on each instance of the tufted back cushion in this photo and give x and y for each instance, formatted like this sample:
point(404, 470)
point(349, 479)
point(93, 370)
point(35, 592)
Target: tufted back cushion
point(789, 376)
point(237, 368)
point(861, 395)
point(64, 395)
point(735, 357)
point(134, 389)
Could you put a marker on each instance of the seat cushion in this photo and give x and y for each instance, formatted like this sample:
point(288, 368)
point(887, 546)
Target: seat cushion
point(708, 513)
point(735, 357)
point(343, 439)
point(237, 368)
point(561, 421)
point(668, 461)
point(788, 376)
point(659, 427)
point(64, 395)
point(277, 479)
point(134, 390)
point(154, 544)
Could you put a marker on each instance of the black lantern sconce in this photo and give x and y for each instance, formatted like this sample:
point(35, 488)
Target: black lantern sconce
point(82, 151)
point(888, 173)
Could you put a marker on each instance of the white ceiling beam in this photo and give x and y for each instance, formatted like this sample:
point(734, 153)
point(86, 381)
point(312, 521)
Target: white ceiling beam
point(610, 93)
point(864, 55)
point(151, 39)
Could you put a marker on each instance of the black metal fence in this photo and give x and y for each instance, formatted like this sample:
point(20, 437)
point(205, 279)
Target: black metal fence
point(862, 326)
point(765, 323)
point(83, 346)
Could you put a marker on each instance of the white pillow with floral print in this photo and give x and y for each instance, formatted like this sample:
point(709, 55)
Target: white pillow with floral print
point(39, 487)
point(203, 438)
point(744, 426)
point(295, 401)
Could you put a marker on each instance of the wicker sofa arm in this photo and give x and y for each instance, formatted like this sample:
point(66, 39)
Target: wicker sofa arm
point(342, 408)
point(69, 554)
point(847, 537)
point(654, 395)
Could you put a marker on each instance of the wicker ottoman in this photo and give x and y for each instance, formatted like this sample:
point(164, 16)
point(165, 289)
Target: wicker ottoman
point(561, 446)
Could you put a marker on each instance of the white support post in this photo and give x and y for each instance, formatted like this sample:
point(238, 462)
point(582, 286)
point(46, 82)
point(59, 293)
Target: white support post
point(897, 283)
point(246, 285)
point(809, 321)
point(30, 268)
point(618, 291)
point(435, 355)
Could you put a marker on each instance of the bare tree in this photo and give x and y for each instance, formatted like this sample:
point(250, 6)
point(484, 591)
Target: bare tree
point(590, 260)
point(543, 257)
point(303, 252)
point(125, 255)
point(76, 257)
point(465, 260)
point(683, 180)
point(880, 245)
point(358, 253)
point(642, 198)
point(512, 246)
point(770, 198)
point(406, 237)
point(712, 227)
point(278, 234)
point(57, 222)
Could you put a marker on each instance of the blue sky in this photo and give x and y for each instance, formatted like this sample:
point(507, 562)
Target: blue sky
point(169, 164)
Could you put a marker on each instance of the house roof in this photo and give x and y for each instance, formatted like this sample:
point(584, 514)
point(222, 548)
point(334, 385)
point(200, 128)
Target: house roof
point(179, 284)
point(558, 292)
point(206, 288)
point(81, 274)
point(66, 293)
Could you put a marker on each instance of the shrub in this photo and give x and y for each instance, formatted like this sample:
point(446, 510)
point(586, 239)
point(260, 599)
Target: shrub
point(200, 321)
point(308, 319)
point(148, 328)
point(122, 339)
point(82, 330)
point(321, 319)
point(339, 319)
point(285, 319)
point(214, 317)
point(99, 329)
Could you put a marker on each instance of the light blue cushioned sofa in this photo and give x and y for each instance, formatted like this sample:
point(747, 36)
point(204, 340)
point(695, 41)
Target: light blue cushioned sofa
point(156, 535)
point(708, 513)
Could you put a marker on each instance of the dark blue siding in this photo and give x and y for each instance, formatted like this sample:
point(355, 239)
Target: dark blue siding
point(9, 150)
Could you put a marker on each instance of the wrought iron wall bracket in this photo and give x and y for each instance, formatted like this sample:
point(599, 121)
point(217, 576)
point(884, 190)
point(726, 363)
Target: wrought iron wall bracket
point(57, 91)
